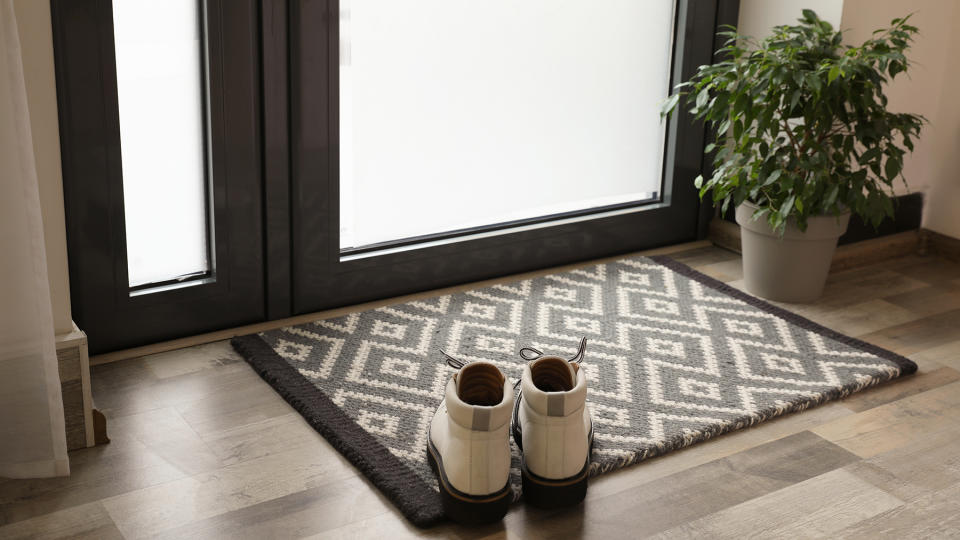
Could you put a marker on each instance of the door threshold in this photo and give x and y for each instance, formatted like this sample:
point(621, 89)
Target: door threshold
point(220, 335)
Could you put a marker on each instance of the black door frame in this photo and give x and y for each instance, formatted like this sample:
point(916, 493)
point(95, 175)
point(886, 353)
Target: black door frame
point(323, 278)
point(114, 315)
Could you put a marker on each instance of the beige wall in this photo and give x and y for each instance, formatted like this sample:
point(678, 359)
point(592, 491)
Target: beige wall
point(757, 17)
point(36, 42)
point(943, 201)
point(929, 90)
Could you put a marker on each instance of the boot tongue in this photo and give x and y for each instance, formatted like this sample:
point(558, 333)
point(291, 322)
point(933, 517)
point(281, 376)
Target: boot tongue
point(480, 383)
point(553, 374)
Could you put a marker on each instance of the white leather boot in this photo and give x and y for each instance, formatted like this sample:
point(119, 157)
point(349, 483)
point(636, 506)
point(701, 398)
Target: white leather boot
point(553, 428)
point(469, 444)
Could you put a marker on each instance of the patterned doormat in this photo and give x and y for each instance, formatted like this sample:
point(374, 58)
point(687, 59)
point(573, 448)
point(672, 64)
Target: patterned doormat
point(674, 357)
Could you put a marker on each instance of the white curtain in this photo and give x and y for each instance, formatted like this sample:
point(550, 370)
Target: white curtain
point(32, 438)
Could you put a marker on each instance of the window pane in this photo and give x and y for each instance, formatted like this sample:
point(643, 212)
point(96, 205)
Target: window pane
point(160, 89)
point(456, 113)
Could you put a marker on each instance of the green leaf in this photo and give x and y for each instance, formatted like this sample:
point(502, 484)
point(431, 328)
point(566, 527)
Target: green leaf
point(787, 206)
point(702, 97)
point(773, 177)
point(895, 67)
point(869, 155)
point(698, 181)
point(795, 99)
point(742, 102)
point(834, 73)
point(669, 105)
point(892, 168)
point(798, 78)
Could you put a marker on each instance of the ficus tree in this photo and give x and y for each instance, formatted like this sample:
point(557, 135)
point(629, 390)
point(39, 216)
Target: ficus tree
point(800, 121)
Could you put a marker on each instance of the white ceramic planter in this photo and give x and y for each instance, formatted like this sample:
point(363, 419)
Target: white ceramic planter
point(793, 268)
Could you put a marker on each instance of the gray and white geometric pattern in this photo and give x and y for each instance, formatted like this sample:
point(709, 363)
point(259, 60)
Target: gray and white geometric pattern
point(672, 357)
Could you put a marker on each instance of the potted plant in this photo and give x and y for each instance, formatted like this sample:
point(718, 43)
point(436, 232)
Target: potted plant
point(803, 138)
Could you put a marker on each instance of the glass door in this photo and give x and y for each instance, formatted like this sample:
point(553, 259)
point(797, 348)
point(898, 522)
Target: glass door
point(438, 141)
point(459, 115)
point(159, 104)
point(161, 90)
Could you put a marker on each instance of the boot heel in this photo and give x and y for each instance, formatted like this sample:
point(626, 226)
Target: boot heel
point(470, 509)
point(547, 493)
point(473, 512)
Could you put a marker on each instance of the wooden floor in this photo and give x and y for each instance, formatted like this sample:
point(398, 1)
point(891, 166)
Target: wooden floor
point(203, 448)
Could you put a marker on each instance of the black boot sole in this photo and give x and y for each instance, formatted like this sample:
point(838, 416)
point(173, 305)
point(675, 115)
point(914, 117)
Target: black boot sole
point(468, 509)
point(549, 493)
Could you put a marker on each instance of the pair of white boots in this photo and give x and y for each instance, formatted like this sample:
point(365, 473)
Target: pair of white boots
point(469, 442)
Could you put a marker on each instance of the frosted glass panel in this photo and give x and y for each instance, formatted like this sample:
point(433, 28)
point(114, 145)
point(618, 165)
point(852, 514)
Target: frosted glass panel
point(159, 88)
point(457, 113)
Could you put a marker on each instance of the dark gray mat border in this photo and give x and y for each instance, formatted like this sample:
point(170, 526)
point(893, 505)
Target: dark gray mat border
point(414, 498)
point(906, 365)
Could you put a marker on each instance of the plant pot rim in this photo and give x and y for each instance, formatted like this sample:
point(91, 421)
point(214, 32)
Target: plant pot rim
point(755, 207)
point(819, 227)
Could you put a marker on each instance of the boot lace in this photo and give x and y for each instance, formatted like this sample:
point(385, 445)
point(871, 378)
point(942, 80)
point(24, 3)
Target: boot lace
point(527, 353)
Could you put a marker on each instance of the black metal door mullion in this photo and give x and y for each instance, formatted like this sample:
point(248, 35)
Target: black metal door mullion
point(275, 18)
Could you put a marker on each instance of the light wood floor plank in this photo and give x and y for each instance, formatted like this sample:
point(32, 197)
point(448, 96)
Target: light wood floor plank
point(730, 270)
point(266, 437)
point(947, 354)
point(930, 463)
point(815, 508)
point(933, 270)
point(935, 515)
point(714, 449)
point(312, 511)
point(926, 301)
point(896, 424)
point(82, 521)
point(174, 504)
point(132, 393)
point(917, 335)
point(124, 465)
point(864, 317)
point(655, 506)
